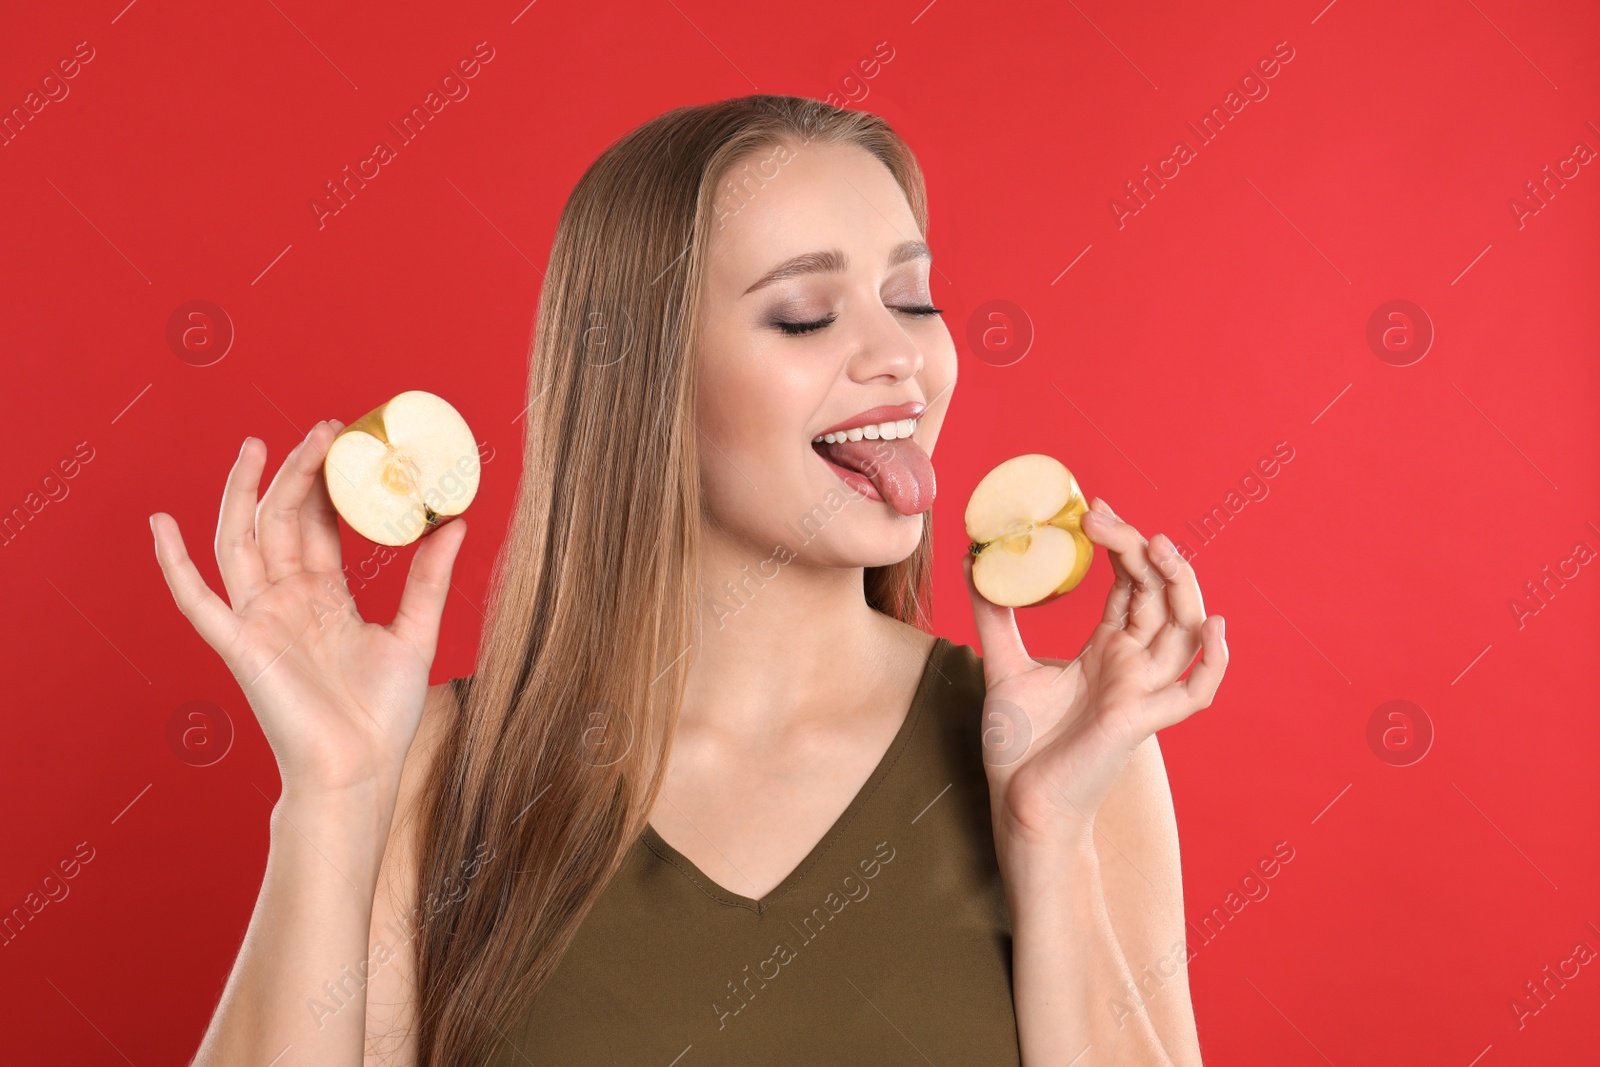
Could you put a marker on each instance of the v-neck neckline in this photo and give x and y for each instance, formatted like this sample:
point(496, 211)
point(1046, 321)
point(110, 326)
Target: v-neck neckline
point(658, 844)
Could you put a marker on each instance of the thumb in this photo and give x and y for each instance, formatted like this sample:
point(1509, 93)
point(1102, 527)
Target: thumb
point(1003, 651)
point(427, 587)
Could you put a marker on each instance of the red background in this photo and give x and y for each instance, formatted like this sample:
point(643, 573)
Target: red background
point(1226, 316)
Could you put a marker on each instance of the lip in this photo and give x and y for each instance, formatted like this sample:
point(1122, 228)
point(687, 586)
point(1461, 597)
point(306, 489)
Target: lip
point(882, 413)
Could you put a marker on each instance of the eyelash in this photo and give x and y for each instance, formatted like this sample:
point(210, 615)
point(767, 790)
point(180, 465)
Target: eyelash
point(800, 329)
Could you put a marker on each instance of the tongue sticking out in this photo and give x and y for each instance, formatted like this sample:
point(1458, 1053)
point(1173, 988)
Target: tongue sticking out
point(899, 469)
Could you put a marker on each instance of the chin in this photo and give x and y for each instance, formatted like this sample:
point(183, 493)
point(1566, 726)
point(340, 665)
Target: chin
point(866, 533)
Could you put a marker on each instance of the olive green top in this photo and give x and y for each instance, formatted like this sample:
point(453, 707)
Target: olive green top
point(889, 944)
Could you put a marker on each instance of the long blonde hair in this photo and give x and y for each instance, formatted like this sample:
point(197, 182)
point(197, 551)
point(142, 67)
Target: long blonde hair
point(549, 773)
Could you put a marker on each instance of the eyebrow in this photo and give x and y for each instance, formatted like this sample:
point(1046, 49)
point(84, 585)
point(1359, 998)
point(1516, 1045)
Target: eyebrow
point(833, 261)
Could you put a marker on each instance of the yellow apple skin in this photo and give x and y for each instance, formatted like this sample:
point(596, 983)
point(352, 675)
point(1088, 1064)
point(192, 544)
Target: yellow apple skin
point(1070, 519)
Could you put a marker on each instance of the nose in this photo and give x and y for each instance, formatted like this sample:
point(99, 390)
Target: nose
point(884, 350)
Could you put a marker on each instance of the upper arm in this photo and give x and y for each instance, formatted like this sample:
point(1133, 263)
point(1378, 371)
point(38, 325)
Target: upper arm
point(1136, 840)
point(391, 961)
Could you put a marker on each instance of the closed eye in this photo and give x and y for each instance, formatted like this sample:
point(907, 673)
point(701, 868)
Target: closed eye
point(797, 329)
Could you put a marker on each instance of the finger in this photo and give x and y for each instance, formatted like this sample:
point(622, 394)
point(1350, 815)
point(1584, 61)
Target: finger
point(1003, 651)
point(427, 588)
point(1120, 595)
point(1148, 607)
point(319, 523)
point(238, 555)
point(1174, 647)
point(212, 619)
point(1181, 699)
point(278, 514)
point(1119, 598)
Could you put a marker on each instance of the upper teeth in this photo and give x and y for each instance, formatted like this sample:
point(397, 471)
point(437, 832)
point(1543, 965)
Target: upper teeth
point(885, 431)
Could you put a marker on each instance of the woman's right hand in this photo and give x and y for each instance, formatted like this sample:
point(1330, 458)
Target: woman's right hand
point(339, 699)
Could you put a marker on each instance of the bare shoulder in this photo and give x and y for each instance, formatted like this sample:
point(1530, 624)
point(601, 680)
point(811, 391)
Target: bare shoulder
point(439, 713)
point(391, 961)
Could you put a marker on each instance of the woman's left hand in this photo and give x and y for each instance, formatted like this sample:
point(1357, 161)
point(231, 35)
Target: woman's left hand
point(1057, 733)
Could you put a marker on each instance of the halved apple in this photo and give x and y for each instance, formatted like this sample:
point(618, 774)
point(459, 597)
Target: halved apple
point(403, 469)
point(1024, 520)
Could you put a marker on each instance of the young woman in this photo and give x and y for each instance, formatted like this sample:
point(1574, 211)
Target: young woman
point(713, 794)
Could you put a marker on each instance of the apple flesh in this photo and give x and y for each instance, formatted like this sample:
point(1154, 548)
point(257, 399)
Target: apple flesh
point(1024, 520)
point(403, 469)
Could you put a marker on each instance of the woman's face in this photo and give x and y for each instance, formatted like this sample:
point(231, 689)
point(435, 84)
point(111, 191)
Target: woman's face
point(784, 362)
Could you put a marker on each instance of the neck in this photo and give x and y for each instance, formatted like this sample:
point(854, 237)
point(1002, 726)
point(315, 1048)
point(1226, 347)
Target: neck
point(779, 639)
